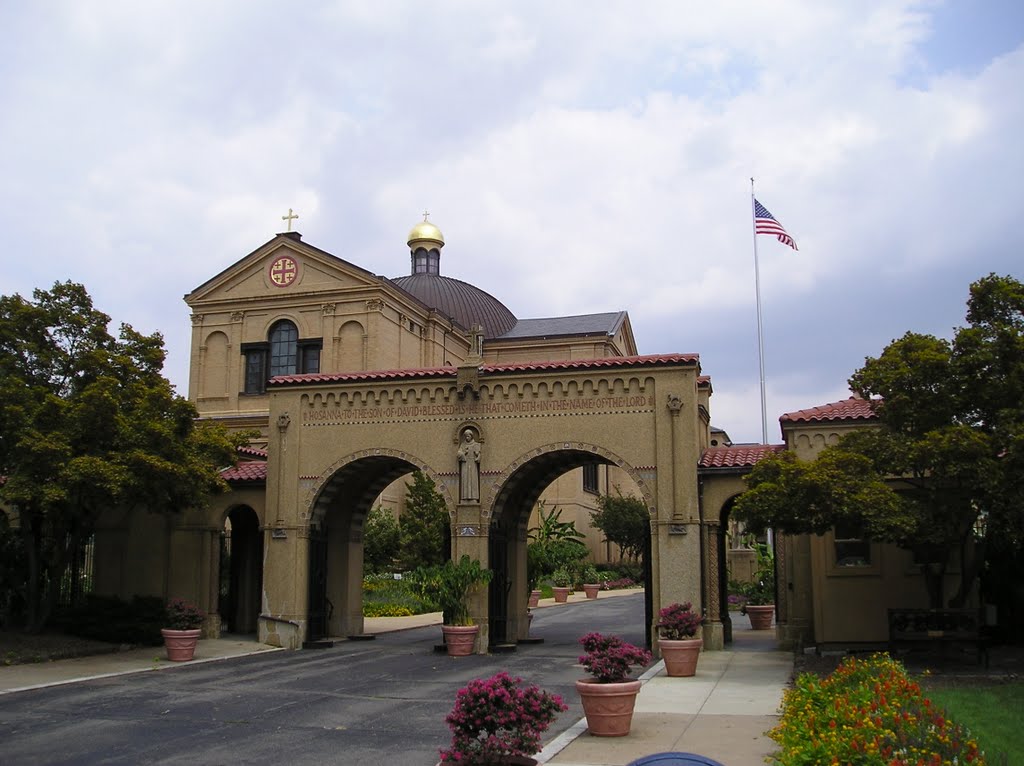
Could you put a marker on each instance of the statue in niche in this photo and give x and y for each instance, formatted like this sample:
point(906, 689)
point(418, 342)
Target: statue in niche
point(469, 467)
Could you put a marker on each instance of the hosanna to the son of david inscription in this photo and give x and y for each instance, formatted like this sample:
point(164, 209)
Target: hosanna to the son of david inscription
point(327, 410)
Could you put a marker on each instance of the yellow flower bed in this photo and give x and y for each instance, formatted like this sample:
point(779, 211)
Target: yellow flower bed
point(869, 712)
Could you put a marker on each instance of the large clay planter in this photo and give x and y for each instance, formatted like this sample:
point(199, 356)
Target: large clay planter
point(534, 598)
point(180, 644)
point(760, 616)
point(608, 707)
point(591, 589)
point(680, 655)
point(561, 595)
point(459, 639)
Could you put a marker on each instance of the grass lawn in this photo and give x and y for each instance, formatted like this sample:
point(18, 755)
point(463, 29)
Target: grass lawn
point(993, 713)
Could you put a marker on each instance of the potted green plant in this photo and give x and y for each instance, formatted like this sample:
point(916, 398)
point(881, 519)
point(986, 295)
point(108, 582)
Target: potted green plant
point(561, 584)
point(677, 627)
point(449, 586)
point(499, 720)
point(760, 603)
point(591, 581)
point(610, 695)
point(184, 621)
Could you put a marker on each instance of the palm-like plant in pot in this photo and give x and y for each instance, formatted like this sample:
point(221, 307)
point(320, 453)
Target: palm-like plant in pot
point(449, 586)
point(677, 628)
point(610, 695)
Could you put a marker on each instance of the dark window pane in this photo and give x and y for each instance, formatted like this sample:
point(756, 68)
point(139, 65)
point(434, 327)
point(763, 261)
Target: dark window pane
point(852, 548)
point(590, 478)
point(284, 349)
point(311, 359)
point(255, 371)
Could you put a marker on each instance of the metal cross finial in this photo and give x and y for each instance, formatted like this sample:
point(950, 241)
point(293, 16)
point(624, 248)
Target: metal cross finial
point(289, 218)
point(425, 214)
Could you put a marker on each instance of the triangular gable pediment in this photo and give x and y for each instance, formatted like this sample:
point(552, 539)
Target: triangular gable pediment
point(284, 265)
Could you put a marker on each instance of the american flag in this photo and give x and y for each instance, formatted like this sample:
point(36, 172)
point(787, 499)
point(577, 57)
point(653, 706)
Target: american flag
point(765, 223)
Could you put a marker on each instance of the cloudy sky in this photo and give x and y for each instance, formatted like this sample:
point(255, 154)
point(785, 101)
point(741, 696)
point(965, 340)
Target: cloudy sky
point(579, 157)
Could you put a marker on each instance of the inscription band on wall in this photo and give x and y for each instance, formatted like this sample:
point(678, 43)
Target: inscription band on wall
point(329, 415)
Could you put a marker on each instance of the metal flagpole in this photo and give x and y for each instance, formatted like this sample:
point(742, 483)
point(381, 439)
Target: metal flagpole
point(760, 331)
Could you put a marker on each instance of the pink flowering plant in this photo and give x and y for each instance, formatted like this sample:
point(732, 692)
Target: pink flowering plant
point(183, 615)
point(497, 717)
point(608, 658)
point(678, 621)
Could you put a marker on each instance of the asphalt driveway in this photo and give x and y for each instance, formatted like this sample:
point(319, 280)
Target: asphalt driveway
point(377, 702)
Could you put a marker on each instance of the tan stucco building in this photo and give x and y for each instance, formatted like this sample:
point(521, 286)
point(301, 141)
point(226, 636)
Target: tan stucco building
point(355, 380)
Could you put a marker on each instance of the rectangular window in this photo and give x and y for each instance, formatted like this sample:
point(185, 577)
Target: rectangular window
point(852, 548)
point(255, 370)
point(590, 478)
point(309, 356)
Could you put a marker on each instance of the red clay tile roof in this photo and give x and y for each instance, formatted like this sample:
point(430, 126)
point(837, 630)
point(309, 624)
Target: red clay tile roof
point(254, 470)
point(849, 409)
point(737, 456)
point(435, 372)
point(253, 452)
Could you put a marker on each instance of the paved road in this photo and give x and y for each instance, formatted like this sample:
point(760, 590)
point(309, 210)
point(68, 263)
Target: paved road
point(380, 702)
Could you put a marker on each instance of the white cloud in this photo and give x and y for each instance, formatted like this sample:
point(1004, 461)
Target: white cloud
point(576, 161)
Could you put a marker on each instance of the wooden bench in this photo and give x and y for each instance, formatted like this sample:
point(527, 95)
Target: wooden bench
point(938, 628)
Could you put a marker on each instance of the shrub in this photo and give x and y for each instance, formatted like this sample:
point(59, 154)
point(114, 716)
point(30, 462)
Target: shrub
point(108, 618)
point(609, 658)
point(678, 621)
point(868, 712)
point(498, 717)
point(182, 615)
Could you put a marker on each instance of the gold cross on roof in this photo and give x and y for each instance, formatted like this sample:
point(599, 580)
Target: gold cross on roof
point(289, 218)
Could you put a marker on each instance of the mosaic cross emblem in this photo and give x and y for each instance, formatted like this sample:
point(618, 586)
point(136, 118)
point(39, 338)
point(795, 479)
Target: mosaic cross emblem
point(283, 271)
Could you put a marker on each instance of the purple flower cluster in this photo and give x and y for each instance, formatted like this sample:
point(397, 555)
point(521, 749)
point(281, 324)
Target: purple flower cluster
point(498, 717)
point(678, 621)
point(609, 658)
point(622, 582)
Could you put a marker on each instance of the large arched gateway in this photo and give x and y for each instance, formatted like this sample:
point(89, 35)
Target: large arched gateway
point(340, 439)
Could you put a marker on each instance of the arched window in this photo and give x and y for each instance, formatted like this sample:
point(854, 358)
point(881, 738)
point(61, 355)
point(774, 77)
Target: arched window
point(284, 349)
point(282, 354)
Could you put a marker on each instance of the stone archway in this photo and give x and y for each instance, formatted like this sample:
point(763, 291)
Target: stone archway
point(509, 513)
point(241, 570)
point(334, 538)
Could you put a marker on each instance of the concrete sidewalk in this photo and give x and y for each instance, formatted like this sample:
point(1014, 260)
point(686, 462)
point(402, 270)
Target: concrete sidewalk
point(721, 713)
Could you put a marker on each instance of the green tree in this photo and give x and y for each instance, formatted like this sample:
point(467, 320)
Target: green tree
point(88, 424)
point(950, 440)
point(624, 522)
point(381, 540)
point(424, 525)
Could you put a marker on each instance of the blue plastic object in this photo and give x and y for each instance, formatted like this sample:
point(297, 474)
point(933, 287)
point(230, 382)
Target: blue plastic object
point(674, 759)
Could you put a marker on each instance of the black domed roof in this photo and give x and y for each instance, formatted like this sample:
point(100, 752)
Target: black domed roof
point(466, 304)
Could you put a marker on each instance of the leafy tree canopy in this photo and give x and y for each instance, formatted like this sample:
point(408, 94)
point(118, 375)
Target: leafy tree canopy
point(624, 521)
point(950, 440)
point(89, 424)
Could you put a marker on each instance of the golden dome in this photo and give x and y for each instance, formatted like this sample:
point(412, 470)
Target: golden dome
point(425, 230)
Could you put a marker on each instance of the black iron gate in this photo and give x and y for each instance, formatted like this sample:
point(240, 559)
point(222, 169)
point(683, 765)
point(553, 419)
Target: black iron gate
point(500, 587)
point(319, 612)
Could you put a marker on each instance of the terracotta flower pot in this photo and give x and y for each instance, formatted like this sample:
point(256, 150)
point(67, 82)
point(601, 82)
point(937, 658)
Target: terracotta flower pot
point(680, 655)
point(561, 595)
point(608, 707)
point(180, 644)
point(459, 639)
point(760, 615)
point(534, 598)
point(591, 589)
